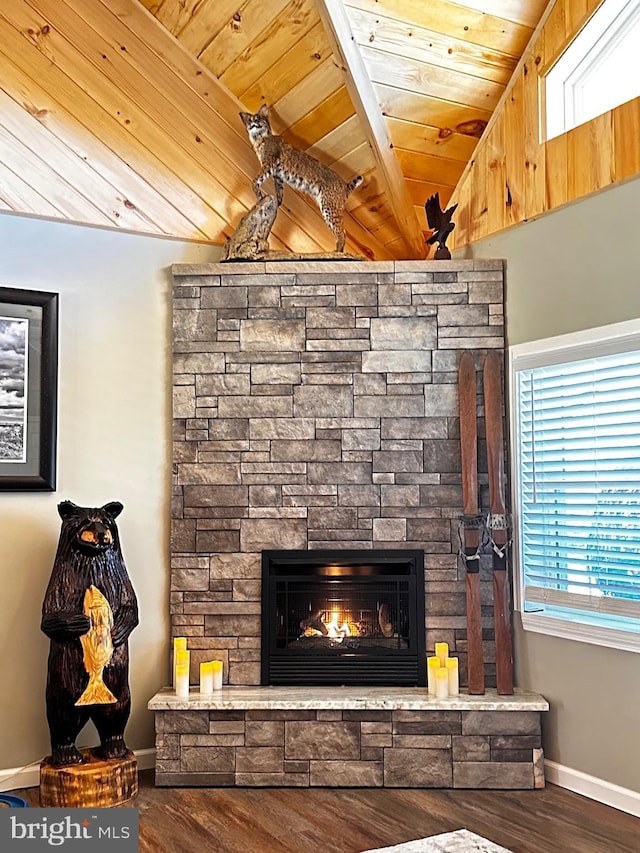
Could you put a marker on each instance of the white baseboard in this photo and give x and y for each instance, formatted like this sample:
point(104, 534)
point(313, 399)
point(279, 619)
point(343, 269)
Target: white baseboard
point(623, 799)
point(29, 777)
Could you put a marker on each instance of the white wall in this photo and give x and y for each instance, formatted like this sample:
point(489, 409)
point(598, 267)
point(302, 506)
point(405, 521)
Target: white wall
point(113, 444)
point(574, 269)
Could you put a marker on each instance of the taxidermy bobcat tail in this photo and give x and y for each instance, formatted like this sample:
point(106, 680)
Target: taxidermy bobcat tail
point(97, 647)
point(351, 186)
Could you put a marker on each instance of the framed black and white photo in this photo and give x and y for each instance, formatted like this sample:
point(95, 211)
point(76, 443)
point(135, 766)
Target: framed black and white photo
point(28, 389)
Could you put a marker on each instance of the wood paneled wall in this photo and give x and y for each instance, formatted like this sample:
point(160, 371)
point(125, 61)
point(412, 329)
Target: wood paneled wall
point(515, 176)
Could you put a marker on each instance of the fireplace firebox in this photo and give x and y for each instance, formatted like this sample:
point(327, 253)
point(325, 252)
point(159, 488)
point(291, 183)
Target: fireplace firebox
point(343, 617)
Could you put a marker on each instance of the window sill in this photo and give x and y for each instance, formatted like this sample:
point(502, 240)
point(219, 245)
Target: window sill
point(582, 633)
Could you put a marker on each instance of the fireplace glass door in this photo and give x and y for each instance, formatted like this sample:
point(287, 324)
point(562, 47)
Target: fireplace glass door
point(343, 617)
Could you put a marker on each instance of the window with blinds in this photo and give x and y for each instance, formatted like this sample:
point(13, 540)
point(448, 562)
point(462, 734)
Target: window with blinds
point(576, 436)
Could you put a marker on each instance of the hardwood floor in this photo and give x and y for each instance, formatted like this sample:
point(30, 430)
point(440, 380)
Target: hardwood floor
point(324, 820)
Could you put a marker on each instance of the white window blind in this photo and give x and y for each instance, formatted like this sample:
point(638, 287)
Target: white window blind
point(578, 489)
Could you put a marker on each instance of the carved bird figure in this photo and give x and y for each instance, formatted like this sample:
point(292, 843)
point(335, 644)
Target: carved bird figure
point(439, 221)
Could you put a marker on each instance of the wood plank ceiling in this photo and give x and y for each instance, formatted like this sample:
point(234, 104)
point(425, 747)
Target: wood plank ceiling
point(117, 115)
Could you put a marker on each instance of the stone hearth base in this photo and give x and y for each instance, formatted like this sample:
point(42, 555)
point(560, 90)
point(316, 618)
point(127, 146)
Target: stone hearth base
point(348, 737)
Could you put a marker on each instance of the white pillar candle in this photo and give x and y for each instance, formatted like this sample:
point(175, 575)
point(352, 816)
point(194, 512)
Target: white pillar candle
point(179, 645)
point(442, 683)
point(206, 678)
point(182, 680)
point(217, 669)
point(454, 680)
point(442, 652)
point(181, 671)
point(433, 663)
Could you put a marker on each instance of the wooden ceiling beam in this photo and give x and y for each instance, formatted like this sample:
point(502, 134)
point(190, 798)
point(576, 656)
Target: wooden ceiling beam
point(358, 83)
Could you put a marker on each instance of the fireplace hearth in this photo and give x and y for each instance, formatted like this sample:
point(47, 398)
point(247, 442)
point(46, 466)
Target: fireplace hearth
point(343, 617)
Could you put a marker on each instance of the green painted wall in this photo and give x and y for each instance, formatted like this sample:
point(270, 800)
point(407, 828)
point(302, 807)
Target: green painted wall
point(575, 269)
point(113, 444)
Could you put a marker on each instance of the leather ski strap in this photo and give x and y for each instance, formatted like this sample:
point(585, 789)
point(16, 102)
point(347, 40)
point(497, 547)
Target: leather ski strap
point(497, 525)
point(471, 521)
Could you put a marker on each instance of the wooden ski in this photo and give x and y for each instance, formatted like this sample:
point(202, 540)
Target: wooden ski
point(497, 522)
point(471, 520)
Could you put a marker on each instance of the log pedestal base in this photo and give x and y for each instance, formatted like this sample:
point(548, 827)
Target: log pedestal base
point(97, 783)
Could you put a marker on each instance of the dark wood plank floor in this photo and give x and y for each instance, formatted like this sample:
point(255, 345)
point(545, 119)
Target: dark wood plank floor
point(323, 820)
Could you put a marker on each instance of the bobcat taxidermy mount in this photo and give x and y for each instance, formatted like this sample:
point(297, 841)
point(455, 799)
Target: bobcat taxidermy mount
point(288, 165)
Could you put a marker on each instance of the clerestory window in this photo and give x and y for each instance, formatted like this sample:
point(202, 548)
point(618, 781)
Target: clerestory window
point(598, 71)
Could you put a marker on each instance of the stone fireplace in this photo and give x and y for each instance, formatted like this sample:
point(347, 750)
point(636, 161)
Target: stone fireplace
point(315, 407)
point(316, 438)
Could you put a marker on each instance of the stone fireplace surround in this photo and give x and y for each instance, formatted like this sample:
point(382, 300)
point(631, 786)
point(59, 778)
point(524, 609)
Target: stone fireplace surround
point(315, 406)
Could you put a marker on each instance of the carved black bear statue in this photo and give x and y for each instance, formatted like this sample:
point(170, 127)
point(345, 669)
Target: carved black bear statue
point(89, 596)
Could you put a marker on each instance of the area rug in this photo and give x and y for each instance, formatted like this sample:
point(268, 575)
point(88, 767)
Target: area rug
point(460, 841)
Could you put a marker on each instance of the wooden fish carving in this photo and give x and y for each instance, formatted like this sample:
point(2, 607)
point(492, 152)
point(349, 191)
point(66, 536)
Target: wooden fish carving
point(97, 647)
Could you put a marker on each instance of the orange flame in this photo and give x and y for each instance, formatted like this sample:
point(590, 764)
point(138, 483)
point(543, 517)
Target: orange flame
point(335, 630)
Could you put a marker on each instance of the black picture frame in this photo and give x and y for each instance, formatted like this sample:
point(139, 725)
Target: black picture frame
point(28, 389)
